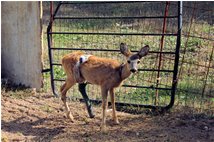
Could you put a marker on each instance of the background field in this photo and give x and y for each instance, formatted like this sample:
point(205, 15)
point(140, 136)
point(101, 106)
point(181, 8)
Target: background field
point(196, 75)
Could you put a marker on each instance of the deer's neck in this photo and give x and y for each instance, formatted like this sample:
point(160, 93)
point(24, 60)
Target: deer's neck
point(125, 71)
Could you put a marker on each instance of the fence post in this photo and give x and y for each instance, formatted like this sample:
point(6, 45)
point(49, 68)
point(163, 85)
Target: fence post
point(177, 53)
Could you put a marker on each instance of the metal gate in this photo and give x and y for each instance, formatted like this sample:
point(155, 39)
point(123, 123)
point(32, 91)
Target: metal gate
point(99, 27)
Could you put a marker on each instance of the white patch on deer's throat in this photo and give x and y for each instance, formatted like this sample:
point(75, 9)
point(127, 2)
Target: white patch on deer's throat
point(133, 64)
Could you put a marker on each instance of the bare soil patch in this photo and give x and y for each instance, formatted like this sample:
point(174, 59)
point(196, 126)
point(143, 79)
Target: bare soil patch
point(41, 117)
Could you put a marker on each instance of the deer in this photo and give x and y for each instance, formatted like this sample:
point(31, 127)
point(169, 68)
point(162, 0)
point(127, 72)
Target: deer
point(107, 73)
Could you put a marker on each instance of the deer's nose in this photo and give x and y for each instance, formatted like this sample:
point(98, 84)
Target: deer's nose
point(133, 70)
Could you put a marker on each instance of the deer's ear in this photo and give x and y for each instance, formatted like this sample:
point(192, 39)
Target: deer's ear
point(143, 51)
point(124, 49)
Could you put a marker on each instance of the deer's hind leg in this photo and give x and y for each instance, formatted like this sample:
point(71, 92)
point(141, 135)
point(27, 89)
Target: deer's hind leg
point(64, 88)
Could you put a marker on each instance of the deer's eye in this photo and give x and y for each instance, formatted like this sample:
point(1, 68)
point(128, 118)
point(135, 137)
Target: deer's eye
point(138, 62)
point(129, 61)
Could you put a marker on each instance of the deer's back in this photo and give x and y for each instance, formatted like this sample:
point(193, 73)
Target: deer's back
point(96, 70)
point(101, 71)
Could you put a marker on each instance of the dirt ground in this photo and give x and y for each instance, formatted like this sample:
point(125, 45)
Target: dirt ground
point(40, 117)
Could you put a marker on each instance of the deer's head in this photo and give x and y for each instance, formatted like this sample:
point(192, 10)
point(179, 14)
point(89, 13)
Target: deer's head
point(133, 59)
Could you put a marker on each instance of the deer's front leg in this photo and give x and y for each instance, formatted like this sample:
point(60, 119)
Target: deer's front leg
point(114, 115)
point(104, 107)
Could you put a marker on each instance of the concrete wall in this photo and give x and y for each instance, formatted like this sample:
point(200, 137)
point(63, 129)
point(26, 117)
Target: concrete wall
point(21, 42)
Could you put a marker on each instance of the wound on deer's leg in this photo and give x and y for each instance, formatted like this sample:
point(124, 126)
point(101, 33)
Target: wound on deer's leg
point(82, 89)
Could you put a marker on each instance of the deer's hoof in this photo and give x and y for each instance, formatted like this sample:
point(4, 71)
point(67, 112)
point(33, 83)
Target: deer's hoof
point(70, 117)
point(116, 122)
point(103, 128)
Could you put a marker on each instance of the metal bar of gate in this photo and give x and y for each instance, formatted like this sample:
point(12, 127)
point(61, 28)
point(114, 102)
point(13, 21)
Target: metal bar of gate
point(161, 49)
point(108, 33)
point(178, 44)
point(135, 86)
point(115, 17)
point(148, 70)
point(104, 2)
point(110, 50)
point(49, 38)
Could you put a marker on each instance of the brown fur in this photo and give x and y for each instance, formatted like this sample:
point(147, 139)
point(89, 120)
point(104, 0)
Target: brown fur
point(104, 72)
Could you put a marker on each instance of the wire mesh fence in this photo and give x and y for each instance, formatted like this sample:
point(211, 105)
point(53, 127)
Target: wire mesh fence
point(98, 28)
point(196, 73)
